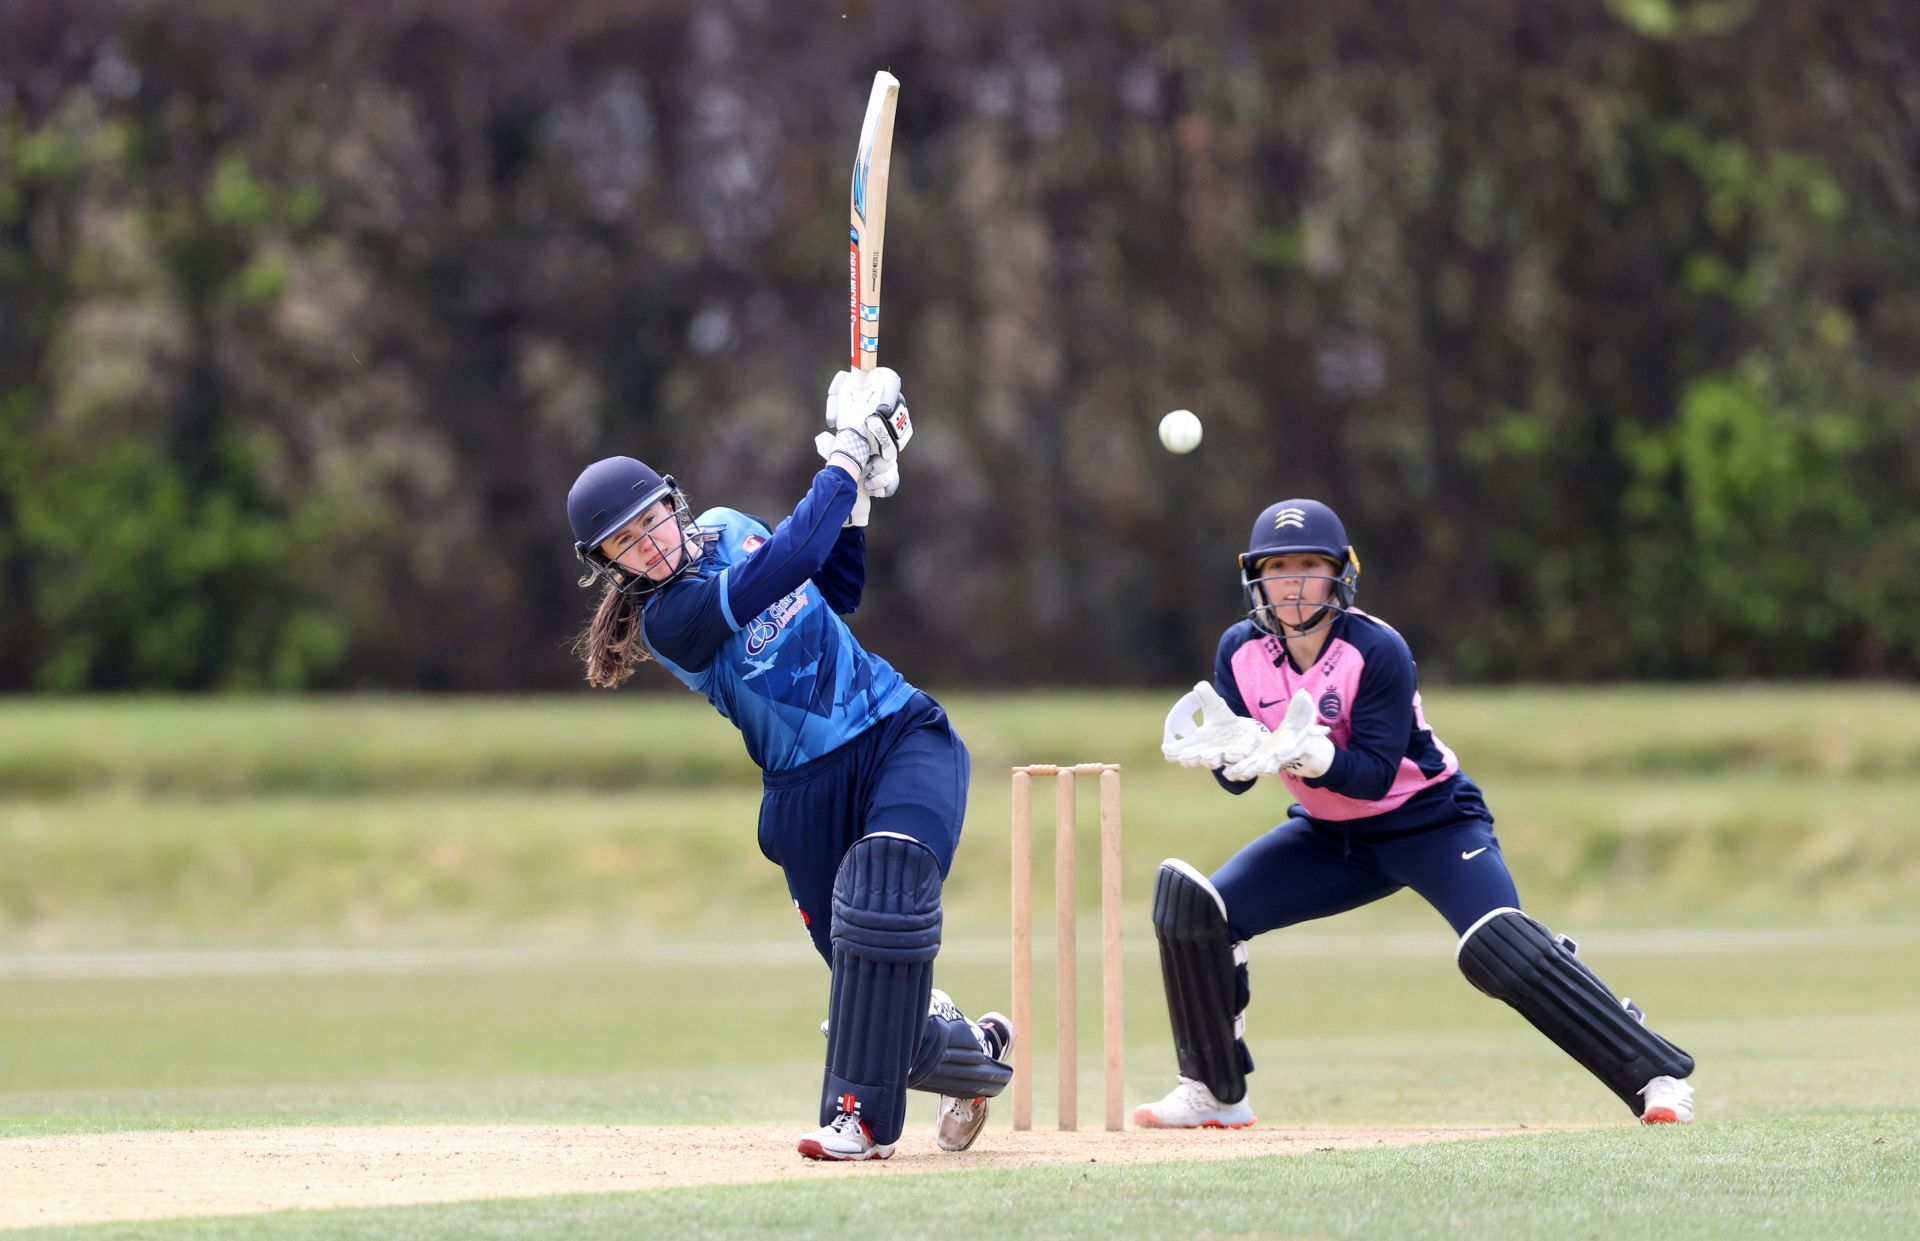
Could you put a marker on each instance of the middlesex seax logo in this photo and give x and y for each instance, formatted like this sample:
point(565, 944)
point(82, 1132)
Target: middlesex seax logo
point(1330, 705)
point(1295, 517)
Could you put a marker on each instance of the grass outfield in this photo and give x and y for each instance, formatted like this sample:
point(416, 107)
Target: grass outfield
point(1359, 1027)
point(406, 912)
point(1809, 1088)
point(237, 745)
point(210, 821)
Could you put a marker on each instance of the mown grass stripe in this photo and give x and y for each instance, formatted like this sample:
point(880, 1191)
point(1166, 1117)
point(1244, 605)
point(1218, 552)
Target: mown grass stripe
point(273, 962)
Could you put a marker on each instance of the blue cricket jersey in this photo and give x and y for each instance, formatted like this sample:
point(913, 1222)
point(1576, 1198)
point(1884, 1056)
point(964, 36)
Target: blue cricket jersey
point(754, 627)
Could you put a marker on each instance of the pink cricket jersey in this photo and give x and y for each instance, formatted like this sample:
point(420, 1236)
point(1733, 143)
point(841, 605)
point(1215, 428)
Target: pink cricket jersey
point(1365, 692)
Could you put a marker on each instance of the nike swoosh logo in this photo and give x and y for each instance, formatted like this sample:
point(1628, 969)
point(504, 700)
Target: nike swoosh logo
point(1276, 702)
point(1468, 857)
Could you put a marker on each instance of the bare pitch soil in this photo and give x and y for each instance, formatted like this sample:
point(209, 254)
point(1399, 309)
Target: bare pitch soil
point(92, 1178)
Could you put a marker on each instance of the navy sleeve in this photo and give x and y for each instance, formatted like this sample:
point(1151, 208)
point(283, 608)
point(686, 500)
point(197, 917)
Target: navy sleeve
point(685, 622)
point(795, 551)
point(844, 574)
point(691, 619)
point(1382, 724)
point(1236, 787)
point(1229, 690)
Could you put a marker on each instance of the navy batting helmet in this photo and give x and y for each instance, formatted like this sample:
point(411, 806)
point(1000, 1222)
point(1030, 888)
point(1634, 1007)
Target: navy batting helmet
point(1298, 527)
point(609, 494)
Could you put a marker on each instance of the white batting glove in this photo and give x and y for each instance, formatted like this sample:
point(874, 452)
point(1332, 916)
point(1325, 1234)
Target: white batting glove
point(870, 402)
point(881, 479)
point(1203, 731)
point(841, 394)
point(1299, 745)
point(850, 444)
point(854, 447)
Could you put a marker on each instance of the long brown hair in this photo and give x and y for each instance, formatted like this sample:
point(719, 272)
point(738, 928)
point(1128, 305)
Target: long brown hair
point(610, 645)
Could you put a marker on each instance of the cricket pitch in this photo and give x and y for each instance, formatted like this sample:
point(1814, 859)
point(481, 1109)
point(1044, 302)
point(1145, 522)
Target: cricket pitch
point(160, 1174)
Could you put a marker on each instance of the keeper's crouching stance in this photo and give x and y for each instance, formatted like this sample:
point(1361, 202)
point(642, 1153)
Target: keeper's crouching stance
point(864, 777)
point(1323, 695)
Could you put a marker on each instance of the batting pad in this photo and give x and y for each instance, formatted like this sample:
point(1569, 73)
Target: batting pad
point(886, 932)
point(950, 1061)
point(1511, 957)
point(1205, 974)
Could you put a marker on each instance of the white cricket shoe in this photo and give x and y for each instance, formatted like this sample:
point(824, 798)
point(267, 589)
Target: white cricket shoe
point(1190, 1105)
point(1669, 1101)
point(844, 1138)
point(960, 1120)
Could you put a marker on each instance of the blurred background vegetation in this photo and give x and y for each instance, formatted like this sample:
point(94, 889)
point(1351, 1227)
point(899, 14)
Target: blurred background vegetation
point(1600, 323)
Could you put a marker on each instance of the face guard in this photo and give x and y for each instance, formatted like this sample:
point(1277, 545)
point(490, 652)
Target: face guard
point(1298, 527)
point(606, 497)
point(1267, 615)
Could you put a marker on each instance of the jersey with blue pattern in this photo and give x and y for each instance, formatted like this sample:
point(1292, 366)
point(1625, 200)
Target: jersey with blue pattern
point(788, 673)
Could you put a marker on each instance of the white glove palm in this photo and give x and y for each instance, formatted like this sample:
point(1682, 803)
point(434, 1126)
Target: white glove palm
point(1212, 737)
point(1299, 745)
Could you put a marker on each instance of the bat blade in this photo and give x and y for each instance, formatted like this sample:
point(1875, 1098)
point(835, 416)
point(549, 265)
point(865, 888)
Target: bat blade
point(867, 221)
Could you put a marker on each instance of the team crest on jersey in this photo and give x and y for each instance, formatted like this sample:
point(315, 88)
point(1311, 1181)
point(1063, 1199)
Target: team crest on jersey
point(767, 626)
point(1330, 705)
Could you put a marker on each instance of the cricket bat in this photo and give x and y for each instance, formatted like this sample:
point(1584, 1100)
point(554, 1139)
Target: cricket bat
point(867, 221)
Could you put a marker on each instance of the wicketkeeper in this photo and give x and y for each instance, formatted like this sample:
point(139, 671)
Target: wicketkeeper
point(1317, 692)
point(865, 780)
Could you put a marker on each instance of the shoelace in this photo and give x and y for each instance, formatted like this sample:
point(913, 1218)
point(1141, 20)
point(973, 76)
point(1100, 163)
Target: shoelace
point(1198, 1096)
point(1666, 1089)
point(847, 1124)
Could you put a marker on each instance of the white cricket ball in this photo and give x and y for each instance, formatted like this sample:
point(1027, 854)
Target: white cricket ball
point(1180, 431)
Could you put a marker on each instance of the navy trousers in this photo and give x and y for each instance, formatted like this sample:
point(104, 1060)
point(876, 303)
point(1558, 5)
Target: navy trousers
point(1302, 870)
point(906, 774)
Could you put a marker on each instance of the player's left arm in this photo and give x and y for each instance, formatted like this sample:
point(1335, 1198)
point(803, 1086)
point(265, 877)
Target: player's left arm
point(843, 575)
point(1364, 768)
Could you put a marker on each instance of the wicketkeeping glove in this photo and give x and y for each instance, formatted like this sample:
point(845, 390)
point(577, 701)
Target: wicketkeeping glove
point(1299, 745)
point(1214, 737)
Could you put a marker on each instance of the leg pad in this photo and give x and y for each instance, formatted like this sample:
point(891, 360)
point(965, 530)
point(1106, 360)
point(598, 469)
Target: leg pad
point(951, 1061)
point(886, 932)
point(1205, 975)
point(1513, 958)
